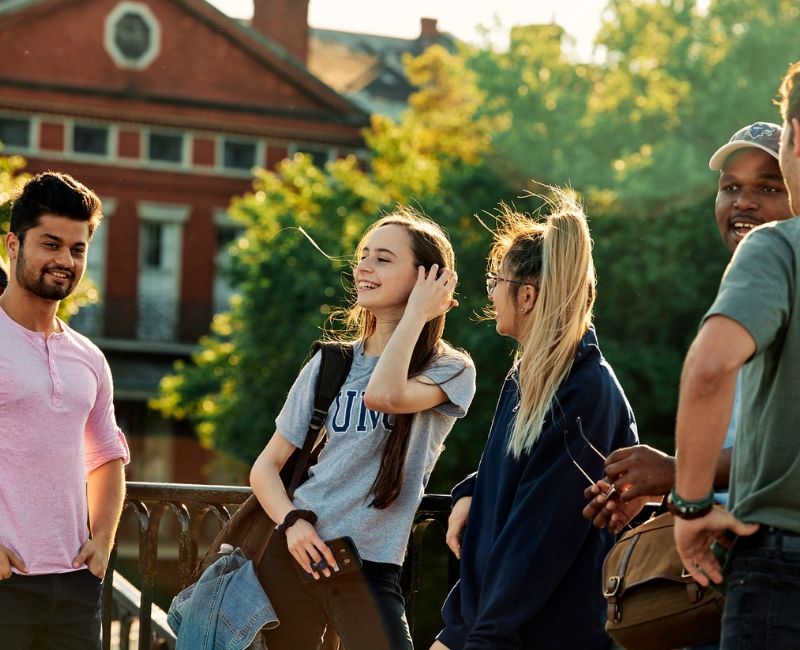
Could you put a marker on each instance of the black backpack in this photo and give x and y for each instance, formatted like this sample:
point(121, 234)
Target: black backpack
point(250, 528)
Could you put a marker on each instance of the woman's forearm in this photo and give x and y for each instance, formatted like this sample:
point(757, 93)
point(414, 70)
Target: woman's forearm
point(265, 478)
point(386, 389)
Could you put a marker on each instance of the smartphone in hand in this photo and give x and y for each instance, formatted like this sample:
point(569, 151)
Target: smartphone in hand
point(347, 559)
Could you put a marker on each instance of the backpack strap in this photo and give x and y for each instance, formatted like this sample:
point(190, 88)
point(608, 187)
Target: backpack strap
point(334, 366)
point(249, 527)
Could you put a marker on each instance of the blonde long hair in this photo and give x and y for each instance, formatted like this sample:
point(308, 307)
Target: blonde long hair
point(555, 256)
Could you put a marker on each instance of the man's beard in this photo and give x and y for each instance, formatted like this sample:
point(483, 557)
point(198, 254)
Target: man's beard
point(38, 285)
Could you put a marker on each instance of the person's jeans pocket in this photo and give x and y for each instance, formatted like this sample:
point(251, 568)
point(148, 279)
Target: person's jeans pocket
point(762, 608)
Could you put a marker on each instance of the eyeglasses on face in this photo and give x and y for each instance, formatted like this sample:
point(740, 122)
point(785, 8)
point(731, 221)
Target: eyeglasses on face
point(492, 280)
point(589, 444)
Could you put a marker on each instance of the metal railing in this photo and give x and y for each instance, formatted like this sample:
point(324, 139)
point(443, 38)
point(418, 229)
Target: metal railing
point(191, 505)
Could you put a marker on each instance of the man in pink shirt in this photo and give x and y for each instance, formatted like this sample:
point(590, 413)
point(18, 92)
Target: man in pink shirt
point(62, 482)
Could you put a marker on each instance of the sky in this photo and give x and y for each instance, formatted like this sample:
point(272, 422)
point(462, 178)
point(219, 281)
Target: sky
point(580, 18)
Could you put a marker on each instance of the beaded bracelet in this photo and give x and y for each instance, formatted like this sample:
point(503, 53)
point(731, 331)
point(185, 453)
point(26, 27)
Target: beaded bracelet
point(291, 519)
point(688, 509)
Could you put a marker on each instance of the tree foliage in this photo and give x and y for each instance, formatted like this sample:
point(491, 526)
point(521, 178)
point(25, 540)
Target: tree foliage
point(632, 134)
point(288, 288)
point(12, 178)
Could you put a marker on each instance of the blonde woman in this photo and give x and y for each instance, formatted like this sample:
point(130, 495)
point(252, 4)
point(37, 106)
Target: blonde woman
point(530, 563)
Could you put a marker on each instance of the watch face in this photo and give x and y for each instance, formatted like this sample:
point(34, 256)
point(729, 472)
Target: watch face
point(132, 35)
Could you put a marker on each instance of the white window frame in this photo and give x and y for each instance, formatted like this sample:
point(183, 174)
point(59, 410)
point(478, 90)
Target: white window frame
point(34, 131)
point(154, 49)
point(113, 140)
point(89, 320)
point(186, 148)
point(168, 214)
point(222, 219)
point(261, 151)
point(295, 148)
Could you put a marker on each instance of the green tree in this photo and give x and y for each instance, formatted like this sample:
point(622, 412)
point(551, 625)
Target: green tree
point(288, 289)
point(632, 134)
point(12, 179)
point(537, 101)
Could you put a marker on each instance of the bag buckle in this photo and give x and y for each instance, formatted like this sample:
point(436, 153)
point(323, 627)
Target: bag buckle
point(612, 586)
point(318, 419)
point(685, 573)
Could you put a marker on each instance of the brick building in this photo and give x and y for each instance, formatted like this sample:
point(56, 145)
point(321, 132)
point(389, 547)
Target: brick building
point(162, 107)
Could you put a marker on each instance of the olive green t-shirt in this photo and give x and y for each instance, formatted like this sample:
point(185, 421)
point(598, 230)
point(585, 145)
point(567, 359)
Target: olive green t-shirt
point(760, 291)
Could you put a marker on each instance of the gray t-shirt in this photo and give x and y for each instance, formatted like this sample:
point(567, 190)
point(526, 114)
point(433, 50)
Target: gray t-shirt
point(760, 292)
point(338, 487)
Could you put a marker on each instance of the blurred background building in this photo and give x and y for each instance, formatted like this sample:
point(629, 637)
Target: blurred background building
point(164, 107)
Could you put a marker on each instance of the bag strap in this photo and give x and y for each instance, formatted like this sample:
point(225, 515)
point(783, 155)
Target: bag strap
point(250, 527)
point(614, 585)
point(334, 366)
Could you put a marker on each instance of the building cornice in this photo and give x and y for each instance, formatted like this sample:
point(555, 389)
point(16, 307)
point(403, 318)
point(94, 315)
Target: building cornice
point(301, 114)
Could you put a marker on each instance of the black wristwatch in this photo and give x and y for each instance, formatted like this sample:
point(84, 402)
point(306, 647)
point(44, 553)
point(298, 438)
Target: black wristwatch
point(291, 519)
point(686, 509)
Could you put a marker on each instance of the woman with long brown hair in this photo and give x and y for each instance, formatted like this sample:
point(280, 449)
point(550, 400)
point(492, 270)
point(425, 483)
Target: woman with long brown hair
point(530, 563)
point(386, 428)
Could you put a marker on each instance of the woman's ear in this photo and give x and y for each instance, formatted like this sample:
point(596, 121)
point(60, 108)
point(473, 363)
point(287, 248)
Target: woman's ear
point(526, 298)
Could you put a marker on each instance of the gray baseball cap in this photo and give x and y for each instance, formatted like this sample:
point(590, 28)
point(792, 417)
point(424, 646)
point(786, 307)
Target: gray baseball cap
point(761, 135)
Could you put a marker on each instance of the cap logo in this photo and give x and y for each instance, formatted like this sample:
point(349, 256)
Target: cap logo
point(758, 131)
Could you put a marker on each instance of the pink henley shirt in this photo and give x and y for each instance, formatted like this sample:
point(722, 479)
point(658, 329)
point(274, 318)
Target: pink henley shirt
point(57, 424)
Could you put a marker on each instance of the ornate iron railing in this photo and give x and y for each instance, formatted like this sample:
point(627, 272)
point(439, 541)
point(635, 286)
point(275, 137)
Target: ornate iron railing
point(191, 505)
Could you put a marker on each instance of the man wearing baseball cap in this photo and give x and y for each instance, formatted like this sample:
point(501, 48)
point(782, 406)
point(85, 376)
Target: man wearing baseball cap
point(753, 324)
point(751, 192)
point(751, 189)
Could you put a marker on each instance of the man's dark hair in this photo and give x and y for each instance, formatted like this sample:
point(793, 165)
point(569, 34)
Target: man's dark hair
point(56, 194)
point(789, 94)
point(3, 275)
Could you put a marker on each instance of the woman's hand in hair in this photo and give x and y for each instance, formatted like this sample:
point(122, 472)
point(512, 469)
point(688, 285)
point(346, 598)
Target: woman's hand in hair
point(456, 524)
point(432, 295)
point(306, 547)
point(640, 470)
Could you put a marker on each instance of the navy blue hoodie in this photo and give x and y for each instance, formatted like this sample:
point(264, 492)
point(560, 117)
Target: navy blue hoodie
point(530, 571)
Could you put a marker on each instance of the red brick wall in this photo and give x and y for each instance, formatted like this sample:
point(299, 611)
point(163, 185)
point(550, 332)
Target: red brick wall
point(204, 152)
point(130, 144)
point(197, 269)
point(275, 154)
point(212, 71)
point(43, 50)
point(51, 136)
point(285, 22)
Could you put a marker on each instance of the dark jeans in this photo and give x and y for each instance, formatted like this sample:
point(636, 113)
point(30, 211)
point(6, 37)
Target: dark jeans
point(366, 608)
point(762, 608)
point(58, 611)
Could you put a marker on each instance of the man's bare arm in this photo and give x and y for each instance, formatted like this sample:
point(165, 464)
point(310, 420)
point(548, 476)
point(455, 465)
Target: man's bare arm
point(106, 495)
